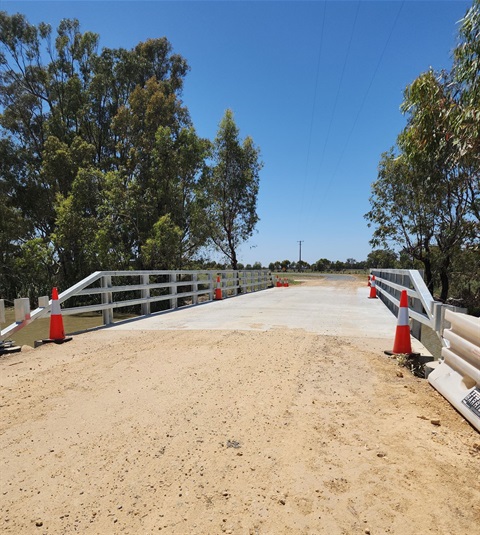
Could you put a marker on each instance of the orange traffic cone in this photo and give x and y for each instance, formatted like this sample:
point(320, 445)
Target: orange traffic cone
point(402, 343)
point(57, 332)
point(373, 288)
point(279, 282)
point(218, 291)
point(285, 282)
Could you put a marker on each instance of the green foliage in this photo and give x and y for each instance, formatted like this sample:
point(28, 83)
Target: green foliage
point(231, 188)
point(382, 258)
point(100, 165)
point(162, 250)
point(425, 200)
point(34, 267)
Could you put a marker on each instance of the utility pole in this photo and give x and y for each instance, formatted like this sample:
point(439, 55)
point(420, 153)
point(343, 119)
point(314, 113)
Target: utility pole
point(300, 254)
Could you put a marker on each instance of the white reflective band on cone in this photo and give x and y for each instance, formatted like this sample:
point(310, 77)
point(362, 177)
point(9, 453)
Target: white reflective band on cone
point(56, 308)
point(403, 316)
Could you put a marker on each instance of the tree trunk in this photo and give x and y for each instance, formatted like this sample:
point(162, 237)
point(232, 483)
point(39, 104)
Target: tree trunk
point(428, 274)
point(234, 259)
point(444, 279)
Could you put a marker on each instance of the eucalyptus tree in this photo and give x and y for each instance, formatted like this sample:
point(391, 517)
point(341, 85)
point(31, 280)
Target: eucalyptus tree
point(466, 73)
point(428, 145)
point(399, 211)
point(421, 200)
point(231, 188)
point(382, 258)
point(102, 145)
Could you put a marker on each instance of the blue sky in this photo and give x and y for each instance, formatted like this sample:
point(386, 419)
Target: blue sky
point(317, 85)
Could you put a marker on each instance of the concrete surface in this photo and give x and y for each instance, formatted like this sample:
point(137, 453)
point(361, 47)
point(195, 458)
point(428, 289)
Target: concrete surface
point(326, 310)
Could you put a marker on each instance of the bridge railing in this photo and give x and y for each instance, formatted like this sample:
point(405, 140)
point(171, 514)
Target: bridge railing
point(423, 309)
point(106, 291)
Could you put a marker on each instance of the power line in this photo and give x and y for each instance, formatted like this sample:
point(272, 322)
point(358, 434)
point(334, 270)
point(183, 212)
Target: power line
point(334, 109)
point(312, 116)
point(361, 106)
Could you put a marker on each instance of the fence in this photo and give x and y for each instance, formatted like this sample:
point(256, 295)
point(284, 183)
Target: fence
point(146, 291)
point(423, 309)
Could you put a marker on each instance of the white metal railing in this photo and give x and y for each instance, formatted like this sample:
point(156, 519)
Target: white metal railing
point(423, 309)
point(179, 286)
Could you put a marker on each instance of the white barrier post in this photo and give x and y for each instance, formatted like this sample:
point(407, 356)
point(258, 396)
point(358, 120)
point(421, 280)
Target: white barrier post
point(2, 310)
point(43, 301)
point(22, 309)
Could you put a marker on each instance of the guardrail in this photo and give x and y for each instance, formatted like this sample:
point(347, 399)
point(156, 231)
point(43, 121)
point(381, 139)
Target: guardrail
point(457, 378)
point(120, 289)
point(423, 309)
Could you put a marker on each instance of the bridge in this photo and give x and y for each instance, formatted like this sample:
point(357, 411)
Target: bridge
point(334, 305)
point(271, 412)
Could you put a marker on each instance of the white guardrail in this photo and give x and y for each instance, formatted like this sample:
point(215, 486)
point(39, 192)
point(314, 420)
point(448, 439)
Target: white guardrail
point(457, 378)
point(179, 288)
point(422, 308)
point(457, 375)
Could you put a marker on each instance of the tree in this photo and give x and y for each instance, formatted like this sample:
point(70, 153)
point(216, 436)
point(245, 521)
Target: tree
point(422, 197)
point(398, 212)
point(428, 145)
point(97, 151)
point(231, 188)
point(323, 264)
point(382, 258)
point(466, 131)
point(162, 250)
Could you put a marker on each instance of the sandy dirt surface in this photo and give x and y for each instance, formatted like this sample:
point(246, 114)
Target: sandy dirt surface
point(211, 432)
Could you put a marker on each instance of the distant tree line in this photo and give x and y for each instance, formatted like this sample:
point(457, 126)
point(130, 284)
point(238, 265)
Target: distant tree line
point(425, 202)
point(378, 258)
point(101, 166)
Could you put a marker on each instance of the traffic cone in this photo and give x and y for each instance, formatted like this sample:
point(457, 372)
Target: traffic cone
point(57, 332)
point(373, 288)
point(402, 343)
point(218, 291)
point(279, 283)
point(369, 281)
point(285, 282)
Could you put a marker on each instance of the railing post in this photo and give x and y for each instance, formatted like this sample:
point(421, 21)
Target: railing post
point(145, 294)
point(437, 317)
point(416, 325)
point(2, 311)
point(224, 284)
point(236, 283)
point(195, 288)
point(107, 298)
point(173, 291)
point(210, 286)
point(244, 282)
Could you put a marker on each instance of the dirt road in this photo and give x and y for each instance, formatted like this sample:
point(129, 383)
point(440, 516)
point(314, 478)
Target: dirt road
point(211, 432)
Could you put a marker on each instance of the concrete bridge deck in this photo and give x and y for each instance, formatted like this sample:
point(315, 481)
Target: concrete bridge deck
point(332, 306)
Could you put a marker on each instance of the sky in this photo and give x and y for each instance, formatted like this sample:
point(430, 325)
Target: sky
point(317, 84)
